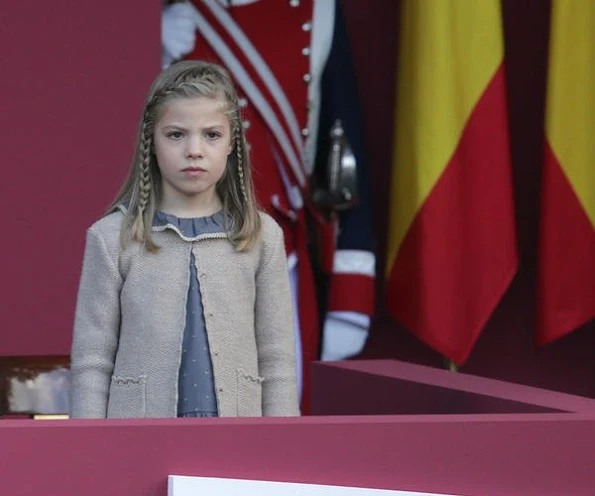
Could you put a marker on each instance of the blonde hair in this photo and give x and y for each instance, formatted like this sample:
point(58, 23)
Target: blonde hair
point(142, 187)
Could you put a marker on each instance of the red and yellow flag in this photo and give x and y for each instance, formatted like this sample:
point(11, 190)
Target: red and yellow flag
point(452, 243)
point(566, 280)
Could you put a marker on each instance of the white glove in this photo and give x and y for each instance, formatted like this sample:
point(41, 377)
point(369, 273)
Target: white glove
point(344, 335)
point(178, 32)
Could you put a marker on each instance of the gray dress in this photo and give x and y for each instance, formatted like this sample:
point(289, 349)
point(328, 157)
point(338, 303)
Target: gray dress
point(196, 387)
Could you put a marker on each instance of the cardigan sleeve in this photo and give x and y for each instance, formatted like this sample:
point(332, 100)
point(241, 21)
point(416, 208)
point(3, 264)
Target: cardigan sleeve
point(274, 327)
point(96, 329)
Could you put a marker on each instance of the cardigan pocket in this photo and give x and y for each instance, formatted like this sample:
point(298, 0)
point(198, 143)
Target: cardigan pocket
point(249, 394)
point(127, 397)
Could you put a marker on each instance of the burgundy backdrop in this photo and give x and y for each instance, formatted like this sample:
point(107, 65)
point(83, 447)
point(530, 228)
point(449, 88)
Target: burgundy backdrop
point(75, 77)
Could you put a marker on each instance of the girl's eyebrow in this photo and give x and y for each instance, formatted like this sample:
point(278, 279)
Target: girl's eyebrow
point(173, 126)
point(179, 126)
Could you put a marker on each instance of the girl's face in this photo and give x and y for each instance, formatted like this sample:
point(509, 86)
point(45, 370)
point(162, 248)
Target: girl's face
point(192, 141)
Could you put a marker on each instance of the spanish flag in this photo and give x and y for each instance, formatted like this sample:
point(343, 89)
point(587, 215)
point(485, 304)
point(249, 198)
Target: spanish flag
point(452, 242)
point(566, 279)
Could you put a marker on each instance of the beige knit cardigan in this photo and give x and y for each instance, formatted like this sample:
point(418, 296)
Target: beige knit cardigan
point(130, 319)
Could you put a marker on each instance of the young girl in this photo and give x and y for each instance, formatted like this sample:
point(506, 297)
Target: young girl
point(184, 305)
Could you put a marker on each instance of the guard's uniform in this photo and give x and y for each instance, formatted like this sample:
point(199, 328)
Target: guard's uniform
point(277, 52)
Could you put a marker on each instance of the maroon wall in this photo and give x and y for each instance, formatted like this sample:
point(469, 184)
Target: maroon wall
point(506, 348)
point(75, 73)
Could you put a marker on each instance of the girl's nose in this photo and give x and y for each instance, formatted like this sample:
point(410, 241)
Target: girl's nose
point(194, 147)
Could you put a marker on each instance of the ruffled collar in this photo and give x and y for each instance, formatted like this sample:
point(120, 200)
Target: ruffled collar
point(190, 228)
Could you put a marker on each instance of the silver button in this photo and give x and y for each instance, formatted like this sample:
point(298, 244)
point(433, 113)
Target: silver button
point(307, 78)
point(306, 51)
point(307, 26)
point(242, 102)
point(246, 124)
point(305, 132)
point(294, 3)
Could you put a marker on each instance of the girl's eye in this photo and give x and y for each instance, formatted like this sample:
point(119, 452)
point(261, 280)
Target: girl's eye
point(174, 135)
point(213, 135)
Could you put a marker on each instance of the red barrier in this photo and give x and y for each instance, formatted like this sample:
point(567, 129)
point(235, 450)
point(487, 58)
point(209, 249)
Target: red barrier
point(391, 387)
point(472, 455)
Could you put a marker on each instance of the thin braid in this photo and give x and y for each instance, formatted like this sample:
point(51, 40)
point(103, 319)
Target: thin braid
point(240, 165)
point(145, 173)
point(144, 184)
point(180, 86)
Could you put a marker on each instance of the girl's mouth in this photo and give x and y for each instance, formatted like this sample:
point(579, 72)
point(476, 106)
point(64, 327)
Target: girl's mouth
point(194, 171)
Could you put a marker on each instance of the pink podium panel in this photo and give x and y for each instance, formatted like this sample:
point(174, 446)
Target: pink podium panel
point(471, 455)
point(391, 387)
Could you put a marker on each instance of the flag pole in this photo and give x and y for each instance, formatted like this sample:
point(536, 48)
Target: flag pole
point(450, 365)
